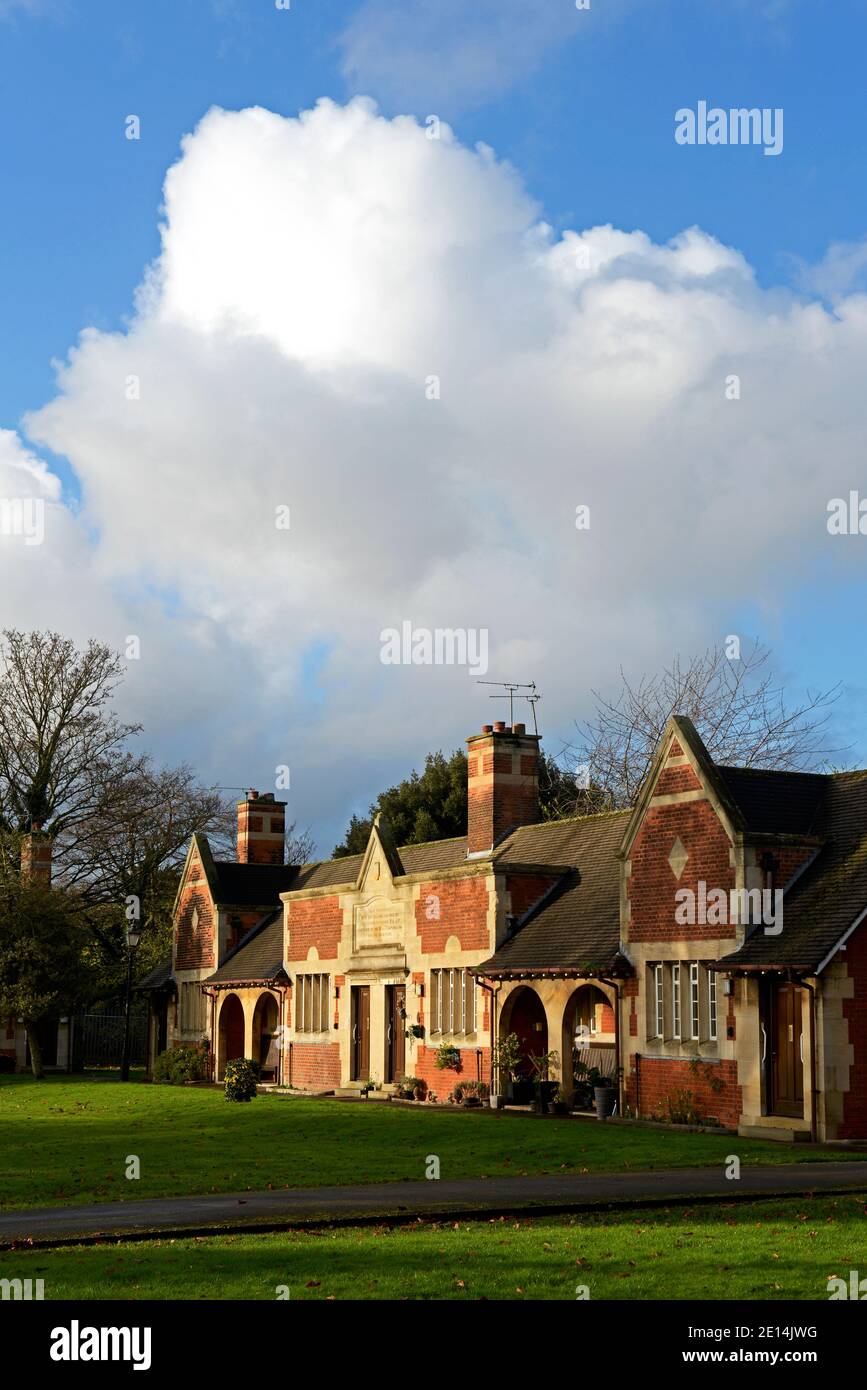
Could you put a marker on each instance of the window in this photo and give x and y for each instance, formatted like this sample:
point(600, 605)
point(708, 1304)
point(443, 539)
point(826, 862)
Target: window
point(711, 1005)
point(312, 997)
point(693, 1000)
point(193, 1008)
point(453, 1001)
point(659, 1000)
point(675, 1000)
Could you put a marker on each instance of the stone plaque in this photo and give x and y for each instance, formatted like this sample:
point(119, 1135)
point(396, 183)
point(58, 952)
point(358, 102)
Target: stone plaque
point(379, 923)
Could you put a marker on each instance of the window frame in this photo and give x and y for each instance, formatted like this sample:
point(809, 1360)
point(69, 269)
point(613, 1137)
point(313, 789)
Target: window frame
point(694, 1003)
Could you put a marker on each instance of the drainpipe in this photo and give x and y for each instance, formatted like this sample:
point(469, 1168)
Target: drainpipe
point(615, 985)
point(814, 1108)
point(492, 1016)
point(212, 1050)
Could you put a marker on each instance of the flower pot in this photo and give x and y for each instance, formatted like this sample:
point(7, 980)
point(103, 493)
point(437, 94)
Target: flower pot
point(495, 1102)
point(605, 1099)
point(470, 1101)
point(419, 1093)
point(519, 1092)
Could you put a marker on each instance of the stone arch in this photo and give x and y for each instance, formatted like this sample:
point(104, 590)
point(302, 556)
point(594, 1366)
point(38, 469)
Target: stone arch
point(230, 1032)
point(266, 1018)
point(523, 1013)
point(589, 1030)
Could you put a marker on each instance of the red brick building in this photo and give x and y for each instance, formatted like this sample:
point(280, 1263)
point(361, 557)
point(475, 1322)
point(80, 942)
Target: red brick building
point(705, 948)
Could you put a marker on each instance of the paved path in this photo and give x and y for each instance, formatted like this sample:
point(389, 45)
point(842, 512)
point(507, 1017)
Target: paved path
point(404, 1200)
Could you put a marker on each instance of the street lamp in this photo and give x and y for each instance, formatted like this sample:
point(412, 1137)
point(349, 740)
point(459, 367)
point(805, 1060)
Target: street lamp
point(133, 937)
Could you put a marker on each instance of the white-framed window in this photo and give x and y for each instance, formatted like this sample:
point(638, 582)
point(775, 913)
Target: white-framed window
point(659, 1002)
point(711, 1005)
point(312, 1001)
point(675, 999)
point(693, 1001)
point(452, 1001)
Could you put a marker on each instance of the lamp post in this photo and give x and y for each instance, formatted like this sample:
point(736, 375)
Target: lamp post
point(133, 936)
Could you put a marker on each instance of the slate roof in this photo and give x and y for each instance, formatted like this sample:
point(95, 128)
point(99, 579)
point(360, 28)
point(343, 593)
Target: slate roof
point(825, 900)
point(777, 803)
point(258, 955)
point(159, 978)
point(576, 927)
point(251, 885)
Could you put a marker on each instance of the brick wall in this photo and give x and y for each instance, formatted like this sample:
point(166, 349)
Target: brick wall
point(194, 923)
point(854, 1124)
point(463, 912)
point(314, 922)
point(661, 1077)
point(652, 886)
point(316, 1066)
point(442, 1082)
point(526, 889)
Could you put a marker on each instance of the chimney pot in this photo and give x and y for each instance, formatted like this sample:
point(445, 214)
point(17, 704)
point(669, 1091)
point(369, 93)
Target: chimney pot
point(520, 729)
point(500, 726)
point(487, 728)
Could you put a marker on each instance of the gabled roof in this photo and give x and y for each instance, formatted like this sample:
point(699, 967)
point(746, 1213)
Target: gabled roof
point(257, 956)
point(830, 895)
point(575, 928)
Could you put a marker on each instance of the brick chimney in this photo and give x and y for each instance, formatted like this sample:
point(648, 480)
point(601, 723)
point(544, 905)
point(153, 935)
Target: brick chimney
point(36, 857)
point(502, 783)
point(261, 829)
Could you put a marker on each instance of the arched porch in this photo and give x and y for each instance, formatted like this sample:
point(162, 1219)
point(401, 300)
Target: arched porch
point(575, 1017)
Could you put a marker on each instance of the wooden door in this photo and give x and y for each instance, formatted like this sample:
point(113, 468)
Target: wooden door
point(360, 1032)
point(395, 1036)
point(787, 1066)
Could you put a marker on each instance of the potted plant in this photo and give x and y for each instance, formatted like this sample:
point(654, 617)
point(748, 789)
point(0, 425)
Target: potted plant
point(543, 1086)
point(419, 1090)
point(415, 1030)
point(586, 1080)
point(406, 1086)
point(511, 1082)
point(605, 1096)
point(562, 1102)
point(470, 1094)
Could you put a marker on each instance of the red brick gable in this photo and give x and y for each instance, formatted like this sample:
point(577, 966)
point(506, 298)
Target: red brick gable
point(314, 922)
point(652, 884)
point(462, 908)
point(195, 919)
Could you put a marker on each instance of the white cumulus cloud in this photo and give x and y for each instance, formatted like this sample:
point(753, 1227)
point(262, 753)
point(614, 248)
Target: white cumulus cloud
point(316, 274)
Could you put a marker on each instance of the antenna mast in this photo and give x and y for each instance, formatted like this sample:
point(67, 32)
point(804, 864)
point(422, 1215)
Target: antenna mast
point(511, 689)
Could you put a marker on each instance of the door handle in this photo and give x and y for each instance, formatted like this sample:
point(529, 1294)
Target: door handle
point(354, 1033)
point(764, 1042)
point(801, 1046)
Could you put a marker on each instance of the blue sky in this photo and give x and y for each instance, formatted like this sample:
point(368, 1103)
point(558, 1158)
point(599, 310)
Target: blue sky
point(580, 103)
point(587, 129)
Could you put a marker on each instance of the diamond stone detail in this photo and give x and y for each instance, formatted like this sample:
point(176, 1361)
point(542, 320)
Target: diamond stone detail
point(678, 857)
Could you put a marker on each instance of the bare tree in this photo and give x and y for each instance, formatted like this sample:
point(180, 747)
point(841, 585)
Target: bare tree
point(737, 707)
point(62, 750)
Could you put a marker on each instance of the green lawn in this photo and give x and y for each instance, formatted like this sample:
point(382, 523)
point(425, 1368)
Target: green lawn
point(768, 1250)
point(66, 1141)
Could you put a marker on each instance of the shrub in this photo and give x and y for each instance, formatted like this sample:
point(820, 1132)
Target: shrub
point(241, 1077)
point(180, 1064)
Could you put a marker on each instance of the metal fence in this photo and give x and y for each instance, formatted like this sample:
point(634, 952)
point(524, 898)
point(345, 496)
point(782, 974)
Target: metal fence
point(97, 1040)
